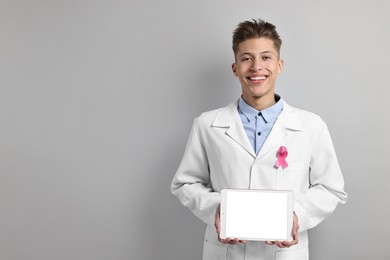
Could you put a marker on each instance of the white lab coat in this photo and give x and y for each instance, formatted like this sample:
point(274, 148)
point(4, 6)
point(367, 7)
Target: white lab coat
point(219, 155)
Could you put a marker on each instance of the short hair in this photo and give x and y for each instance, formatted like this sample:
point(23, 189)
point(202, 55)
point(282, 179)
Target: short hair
point(255, 29)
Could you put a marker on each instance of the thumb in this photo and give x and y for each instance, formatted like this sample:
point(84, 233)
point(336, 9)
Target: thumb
point(217, 220)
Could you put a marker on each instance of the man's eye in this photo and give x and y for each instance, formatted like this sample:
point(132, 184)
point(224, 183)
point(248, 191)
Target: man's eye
point(246, 59)
point(266, 57)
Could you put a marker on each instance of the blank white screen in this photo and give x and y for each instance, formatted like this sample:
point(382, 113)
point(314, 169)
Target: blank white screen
point(256, 215)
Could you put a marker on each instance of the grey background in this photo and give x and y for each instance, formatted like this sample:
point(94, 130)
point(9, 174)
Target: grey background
point(97, 99)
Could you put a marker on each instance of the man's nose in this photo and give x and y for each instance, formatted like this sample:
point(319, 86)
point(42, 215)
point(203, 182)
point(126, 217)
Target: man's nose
point(256, 65)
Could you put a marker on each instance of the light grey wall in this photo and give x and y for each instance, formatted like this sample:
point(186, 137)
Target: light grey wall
point(97, 99)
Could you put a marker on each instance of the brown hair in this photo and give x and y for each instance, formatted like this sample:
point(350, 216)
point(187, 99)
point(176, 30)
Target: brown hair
point(255, 29)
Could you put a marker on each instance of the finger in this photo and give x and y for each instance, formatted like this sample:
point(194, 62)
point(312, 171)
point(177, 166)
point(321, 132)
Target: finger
point(295, 231)
point(224, 241)
point(294, 242)
point(295, 239)
point(279, 244)
point(295, 226)
point(290, 243)
point(234, 241)
point(231, 241)
point(217, 226)
point(287, 243)
point(269, 243)
point(217, 221)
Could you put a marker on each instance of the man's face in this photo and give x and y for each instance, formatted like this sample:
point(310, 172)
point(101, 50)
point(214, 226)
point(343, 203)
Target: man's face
point(257, 66)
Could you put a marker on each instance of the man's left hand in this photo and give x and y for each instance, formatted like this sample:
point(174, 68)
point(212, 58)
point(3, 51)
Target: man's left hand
point(286, 244)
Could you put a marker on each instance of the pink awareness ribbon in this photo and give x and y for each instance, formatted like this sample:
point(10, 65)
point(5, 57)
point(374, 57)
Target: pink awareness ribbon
point(282, 154)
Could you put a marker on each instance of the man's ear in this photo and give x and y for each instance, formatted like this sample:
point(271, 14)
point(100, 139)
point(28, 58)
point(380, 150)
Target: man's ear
point(234, 69)
point(280, 65)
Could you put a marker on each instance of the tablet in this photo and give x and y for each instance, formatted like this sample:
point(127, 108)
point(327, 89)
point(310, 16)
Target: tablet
point(259, 215)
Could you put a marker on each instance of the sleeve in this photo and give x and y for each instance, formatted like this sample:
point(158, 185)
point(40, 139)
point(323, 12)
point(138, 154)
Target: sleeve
point(326, 185)
point(191, 183)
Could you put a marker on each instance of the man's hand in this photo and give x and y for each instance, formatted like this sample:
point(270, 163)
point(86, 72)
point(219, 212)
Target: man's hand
point(231, 241)
point(295, 240)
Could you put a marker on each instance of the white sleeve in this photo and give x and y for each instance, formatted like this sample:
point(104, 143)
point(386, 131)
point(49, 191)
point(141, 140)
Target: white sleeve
point(326, 185)
point(191, 184)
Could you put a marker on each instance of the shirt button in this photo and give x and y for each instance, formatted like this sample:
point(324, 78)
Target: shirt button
point(258, 133)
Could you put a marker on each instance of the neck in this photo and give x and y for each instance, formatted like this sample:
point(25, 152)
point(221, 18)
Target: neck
point(260, 103)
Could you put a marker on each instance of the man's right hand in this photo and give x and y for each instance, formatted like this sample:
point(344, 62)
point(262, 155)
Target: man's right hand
point(228, 240)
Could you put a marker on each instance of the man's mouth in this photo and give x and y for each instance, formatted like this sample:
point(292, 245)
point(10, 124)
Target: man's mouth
point(257, 78)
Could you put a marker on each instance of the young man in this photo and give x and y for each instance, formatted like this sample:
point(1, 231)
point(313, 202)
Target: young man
point(237, 146)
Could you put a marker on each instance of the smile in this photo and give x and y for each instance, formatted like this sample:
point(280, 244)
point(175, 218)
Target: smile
point(258, 78)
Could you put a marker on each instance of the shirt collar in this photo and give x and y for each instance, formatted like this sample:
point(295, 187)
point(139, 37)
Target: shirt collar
point(268, 114)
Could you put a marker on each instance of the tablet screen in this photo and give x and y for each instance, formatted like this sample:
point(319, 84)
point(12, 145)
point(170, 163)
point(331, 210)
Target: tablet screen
point(263, 215)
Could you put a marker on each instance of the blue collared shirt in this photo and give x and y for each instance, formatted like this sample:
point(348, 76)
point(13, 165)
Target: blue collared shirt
point(258, 124)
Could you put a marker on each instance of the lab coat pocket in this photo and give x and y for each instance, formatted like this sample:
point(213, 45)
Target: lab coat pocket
point(300, 254)
point(292, 177)
point(214, 252)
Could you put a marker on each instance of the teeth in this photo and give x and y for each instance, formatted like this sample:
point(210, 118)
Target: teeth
point(258, 78)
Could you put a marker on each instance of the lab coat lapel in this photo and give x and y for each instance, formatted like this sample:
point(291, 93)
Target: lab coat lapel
point(286, 121)
point(228, 118)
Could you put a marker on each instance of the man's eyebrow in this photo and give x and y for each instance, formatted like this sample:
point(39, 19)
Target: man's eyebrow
point(246, 53)
point(262, 52)
point(268, 52)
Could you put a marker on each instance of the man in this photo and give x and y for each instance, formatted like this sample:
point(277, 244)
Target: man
point(237, 146)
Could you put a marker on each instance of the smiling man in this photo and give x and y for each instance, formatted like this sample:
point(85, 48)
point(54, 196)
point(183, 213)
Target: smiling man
point(237, 147)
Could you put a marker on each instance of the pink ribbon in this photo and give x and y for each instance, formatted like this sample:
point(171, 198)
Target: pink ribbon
point(282, 154)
